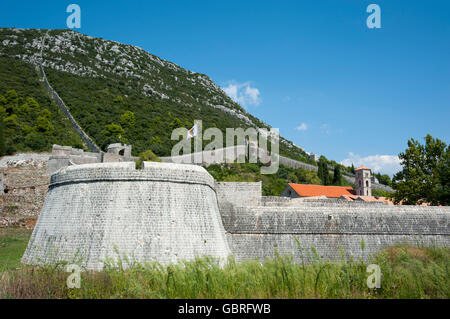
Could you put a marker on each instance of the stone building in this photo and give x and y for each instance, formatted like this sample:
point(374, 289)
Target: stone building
point(313, 157)
point(119, 149)
point(306, 190)
point(363, 181)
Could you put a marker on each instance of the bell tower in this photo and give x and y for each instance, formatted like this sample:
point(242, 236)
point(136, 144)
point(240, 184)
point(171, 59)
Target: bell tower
point(363, 181)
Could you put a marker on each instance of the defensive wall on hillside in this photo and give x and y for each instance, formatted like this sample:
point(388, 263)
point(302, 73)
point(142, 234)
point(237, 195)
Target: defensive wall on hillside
point(89, 142)
point(168, 212)
point(230, 154)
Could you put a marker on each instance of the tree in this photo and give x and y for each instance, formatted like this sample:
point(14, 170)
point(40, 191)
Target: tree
point(118, 99)
point(114, 130)
point(155, 140)
point(11, 121)
point(383, 179)
point(147, 156)
point(443, 171)
point(12, 97)
point(307, 176)
point(352, 169)
point(323, 171)
point(44, 125)
point(32, 103)
point(176, 123)
point(424, 177)
point(128, 119)
point(337, 176)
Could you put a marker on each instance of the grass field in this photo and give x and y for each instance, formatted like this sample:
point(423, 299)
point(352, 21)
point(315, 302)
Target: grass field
point(407, 272)
point(13, 242)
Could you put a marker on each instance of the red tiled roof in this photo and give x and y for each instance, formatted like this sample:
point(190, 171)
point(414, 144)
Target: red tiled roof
point(318, 190)
point(362, 167)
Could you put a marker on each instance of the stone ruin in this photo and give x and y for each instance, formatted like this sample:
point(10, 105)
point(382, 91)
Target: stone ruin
point(170, 212)
point(64, 156)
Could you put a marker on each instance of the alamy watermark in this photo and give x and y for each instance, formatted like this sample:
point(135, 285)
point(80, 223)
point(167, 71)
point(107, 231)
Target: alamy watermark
point(374, 279)
point(74, 19)
point(74, 279)
point(241, 146)
point(374, 19)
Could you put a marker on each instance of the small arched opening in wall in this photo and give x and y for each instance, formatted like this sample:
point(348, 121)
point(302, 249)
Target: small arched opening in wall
point(122, 152)
point(367, 183)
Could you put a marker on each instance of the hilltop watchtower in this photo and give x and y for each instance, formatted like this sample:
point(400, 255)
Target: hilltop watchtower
point(363, 181)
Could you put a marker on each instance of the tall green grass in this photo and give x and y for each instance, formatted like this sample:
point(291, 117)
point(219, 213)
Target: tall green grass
point(407, 272)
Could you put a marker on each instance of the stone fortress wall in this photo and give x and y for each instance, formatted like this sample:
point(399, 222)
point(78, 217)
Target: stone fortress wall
point(331, 226)
point(92, 212)
point(230, 154)
point(89, 142)
point(168, 212)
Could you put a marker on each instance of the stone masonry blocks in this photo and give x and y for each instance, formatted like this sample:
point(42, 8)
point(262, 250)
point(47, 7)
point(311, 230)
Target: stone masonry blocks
point(162, 213)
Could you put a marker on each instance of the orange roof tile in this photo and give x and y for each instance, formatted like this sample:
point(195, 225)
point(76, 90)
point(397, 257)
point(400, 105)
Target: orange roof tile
point(318, 190)
point(362, 167)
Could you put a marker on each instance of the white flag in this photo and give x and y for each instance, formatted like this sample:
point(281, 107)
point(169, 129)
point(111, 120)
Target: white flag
point(192, 132)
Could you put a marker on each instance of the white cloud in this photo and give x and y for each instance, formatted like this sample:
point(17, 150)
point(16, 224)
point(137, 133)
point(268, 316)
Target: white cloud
point(385, 164)
point(326, 128)
point(302, 127)
point(243, 93)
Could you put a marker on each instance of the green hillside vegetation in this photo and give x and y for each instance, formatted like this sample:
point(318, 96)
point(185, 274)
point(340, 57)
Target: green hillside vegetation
point(31, 121)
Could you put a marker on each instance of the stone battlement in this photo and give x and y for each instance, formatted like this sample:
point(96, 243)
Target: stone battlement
point(117, 171)
point(64, 156)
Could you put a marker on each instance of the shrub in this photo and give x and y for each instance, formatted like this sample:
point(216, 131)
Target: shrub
point(147, 156)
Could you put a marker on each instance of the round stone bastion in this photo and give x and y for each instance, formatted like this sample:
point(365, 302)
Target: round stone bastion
point(101, 213)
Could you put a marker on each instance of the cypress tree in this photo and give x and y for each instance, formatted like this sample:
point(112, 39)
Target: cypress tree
point(323, 171)
point(337, 178)
point(320, 171)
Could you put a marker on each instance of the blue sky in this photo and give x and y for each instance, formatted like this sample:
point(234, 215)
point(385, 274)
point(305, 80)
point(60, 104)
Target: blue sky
point(311, 68)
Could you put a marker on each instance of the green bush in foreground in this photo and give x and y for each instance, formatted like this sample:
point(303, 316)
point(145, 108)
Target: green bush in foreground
point(407, 272)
